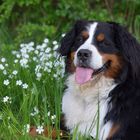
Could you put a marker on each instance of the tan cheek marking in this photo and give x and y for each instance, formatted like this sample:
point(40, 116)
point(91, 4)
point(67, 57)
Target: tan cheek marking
point(116, 65)
point(71, 66)
point(72, 55)
point(115, 128)
point(85, 34)
point(100, 37)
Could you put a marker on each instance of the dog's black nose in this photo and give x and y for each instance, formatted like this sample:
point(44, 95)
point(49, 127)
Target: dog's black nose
point(84, 54)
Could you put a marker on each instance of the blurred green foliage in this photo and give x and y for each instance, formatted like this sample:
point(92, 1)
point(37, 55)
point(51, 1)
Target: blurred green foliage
point(26, 20)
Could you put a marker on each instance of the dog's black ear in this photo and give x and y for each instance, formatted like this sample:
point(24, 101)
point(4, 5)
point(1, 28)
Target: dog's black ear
point(68, 40)
point(129, 47)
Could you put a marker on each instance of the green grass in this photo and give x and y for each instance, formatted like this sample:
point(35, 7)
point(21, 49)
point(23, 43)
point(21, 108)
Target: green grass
point(34, 105)
point(38, 103)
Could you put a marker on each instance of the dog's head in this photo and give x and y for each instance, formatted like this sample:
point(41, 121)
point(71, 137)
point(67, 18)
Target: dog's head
point(100, 47)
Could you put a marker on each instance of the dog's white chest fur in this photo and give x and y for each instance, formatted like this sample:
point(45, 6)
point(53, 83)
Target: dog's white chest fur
point(80, 106)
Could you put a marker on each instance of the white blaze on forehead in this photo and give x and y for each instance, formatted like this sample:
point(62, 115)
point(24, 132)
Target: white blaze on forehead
point(91, 30)
point(96, 59)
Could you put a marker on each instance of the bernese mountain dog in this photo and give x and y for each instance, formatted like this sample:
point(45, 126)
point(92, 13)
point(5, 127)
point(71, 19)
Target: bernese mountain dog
point(103, 82)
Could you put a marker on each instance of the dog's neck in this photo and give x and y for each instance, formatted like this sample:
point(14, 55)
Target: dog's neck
point(98, 88)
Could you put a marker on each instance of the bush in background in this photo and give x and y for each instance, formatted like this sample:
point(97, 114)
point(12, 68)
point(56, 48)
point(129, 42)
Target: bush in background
point(32, 20)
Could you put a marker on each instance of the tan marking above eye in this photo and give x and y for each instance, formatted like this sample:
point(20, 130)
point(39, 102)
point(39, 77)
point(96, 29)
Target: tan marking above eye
point(100, 37)
point(85, 34)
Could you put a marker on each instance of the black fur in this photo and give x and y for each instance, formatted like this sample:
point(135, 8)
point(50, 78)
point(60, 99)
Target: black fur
point(129, 47)
point(125, 97)
point(72, 40)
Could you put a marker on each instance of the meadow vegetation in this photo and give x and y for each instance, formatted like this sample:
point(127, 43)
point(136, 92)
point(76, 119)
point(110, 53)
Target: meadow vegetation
point(31, 71)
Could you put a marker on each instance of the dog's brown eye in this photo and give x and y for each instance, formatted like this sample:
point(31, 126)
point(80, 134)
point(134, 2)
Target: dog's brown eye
point(100, 37)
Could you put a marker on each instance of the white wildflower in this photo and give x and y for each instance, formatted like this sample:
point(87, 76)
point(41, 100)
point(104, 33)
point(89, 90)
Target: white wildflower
point(6, 65)
point(38, 75)
point(30, 49)
point(5, 72)
point(3, 59)
point(6, 82)
point(55, 54)
point(6, 99)
point(16, 61)
point(49, 64)
point(18, 55)
point(48, 113)
point(48, 70)
point(15, 72)
point(53, 117)
point(27, 128)
point(1, 67)
point(47, 50)
point(45, 68)
point(44, 45)
point(23, 62)
point(22, 45)
point(23, 51)
point(31, 44)
point(49, 55)
point(33, 114)
point(36, 52)
point(37, 68)
point(54, 42)
point(35, 111)
point(25, 86)
point(63, 35)
point(34, 58)
point(19, 82)
point(55, 47)
point(10, 76)
point(55, 75)
point(14, 52)
point(38, 47)
point(40, 129)
point(41, 54)
point(25, 55)
point(46, 40)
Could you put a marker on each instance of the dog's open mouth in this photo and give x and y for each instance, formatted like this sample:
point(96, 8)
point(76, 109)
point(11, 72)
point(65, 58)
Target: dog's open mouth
point(84, 75)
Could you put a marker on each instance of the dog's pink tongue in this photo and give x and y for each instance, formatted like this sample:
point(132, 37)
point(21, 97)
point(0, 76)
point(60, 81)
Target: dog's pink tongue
point(83, 75)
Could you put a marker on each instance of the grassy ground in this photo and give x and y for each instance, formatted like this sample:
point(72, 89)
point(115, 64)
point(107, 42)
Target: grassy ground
point(31, 86)
point(31, 83)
